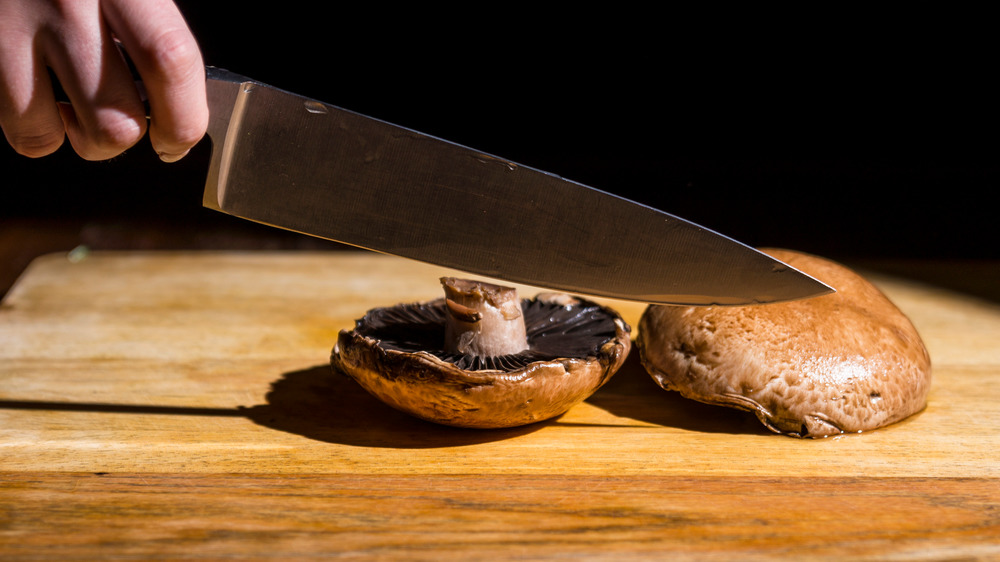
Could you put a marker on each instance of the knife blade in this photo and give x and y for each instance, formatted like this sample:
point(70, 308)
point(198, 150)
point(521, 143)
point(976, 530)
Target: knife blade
point(299, 164)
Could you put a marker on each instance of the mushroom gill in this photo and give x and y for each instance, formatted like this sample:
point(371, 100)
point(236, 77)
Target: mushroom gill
point(482, 357)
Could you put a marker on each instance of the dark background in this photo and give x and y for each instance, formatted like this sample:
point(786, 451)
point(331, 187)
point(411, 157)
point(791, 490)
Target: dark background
point(841, 143)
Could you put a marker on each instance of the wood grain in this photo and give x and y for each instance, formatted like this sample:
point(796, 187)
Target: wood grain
point(173, 404)
point(498, 517)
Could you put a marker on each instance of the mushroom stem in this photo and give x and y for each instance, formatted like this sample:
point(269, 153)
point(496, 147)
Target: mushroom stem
point(483, 319)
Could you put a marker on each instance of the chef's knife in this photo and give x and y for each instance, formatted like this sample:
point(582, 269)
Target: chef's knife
point(296, 163)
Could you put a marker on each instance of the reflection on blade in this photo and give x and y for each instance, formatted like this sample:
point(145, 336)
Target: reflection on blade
point(295, 163)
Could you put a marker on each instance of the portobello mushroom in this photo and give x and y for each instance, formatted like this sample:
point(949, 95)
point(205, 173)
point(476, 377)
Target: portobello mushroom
point(849, 361)
point(481, 357)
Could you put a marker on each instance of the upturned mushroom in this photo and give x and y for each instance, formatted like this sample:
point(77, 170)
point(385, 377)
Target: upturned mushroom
point(483, 358)
point(849, 361)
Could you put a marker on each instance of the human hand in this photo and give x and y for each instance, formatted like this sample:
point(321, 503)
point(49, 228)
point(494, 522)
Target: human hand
point(76, 39)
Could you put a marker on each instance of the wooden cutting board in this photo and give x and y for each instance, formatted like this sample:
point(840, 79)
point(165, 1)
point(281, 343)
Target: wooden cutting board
point(181, 405)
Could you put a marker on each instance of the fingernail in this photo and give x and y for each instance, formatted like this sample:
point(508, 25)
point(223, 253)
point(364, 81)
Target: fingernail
point(171, 156)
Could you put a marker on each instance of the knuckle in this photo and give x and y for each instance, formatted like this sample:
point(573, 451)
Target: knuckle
point(187, 136)
point(122, 132)
point(175, 53)
point(110, 138)
point(36, 145)
point(176, 142)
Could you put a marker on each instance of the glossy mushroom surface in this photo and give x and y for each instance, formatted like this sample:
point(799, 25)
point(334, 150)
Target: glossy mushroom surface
point(408, 356)
point(849, 361)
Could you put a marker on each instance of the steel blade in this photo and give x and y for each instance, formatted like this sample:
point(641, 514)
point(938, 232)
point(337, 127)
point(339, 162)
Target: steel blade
point(310, 167)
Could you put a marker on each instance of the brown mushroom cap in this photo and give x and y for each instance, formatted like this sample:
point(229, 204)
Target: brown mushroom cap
point(849, 361)
point(398, 354)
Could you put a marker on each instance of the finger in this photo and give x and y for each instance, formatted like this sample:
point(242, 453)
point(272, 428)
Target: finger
point(169, 61)
point(107, 115)
point(28, 114)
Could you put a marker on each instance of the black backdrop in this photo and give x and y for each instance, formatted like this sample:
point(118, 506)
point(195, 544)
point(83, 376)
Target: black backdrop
point(887, 151)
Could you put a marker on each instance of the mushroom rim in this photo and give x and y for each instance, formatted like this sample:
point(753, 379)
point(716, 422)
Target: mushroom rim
point(428, 319)
point(423, 362)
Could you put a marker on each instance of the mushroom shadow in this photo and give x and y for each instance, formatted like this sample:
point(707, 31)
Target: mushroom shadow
point(323, 405)
point(632, 393)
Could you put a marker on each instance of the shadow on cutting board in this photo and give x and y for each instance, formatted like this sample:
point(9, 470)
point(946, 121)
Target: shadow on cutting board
point(632, 393)
point(319, 404)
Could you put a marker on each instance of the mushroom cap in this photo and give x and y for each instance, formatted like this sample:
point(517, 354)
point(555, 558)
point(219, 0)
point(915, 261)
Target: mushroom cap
point(397, 354)
point(848, 361)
